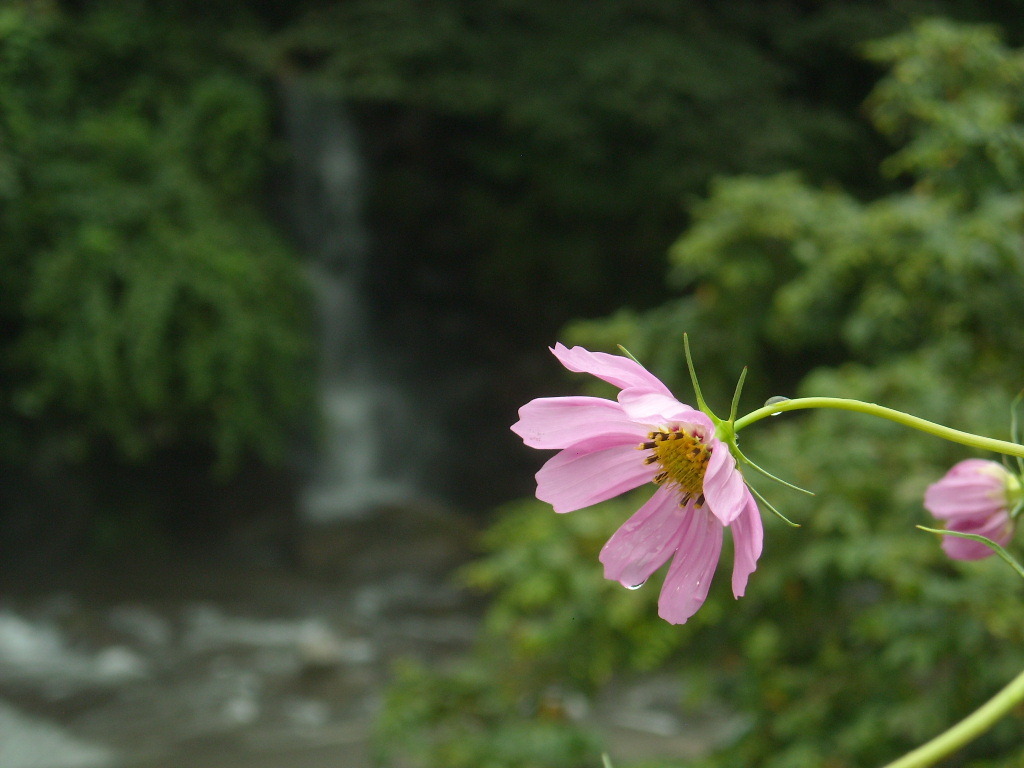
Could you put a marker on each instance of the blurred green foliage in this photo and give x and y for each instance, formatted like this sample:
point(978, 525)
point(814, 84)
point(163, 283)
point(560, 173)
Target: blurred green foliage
point(857, 639)
point(145, 300)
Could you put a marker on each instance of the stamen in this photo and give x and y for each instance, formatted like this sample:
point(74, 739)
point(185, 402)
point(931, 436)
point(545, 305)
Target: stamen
point(683, 458)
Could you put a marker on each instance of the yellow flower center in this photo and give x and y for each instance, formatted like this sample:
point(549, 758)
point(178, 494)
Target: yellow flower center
point(683, 459)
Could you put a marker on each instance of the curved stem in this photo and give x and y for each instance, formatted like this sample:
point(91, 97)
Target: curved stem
point(946, 433)
point(966, 730)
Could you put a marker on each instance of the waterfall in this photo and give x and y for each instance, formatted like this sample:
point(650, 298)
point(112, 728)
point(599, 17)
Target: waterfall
point(365, 410)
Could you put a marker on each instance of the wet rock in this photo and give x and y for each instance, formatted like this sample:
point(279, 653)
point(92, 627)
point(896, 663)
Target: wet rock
point(142, 625)
point(321, 650)
point(307, 713)
point(643, 716)
point(316, 646)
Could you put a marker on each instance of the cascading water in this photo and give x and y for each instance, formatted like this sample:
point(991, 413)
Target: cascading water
point(362, 402)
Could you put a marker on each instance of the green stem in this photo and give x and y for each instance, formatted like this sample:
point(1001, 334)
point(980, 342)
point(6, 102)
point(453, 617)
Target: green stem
point(953, 435)
point(967, 729)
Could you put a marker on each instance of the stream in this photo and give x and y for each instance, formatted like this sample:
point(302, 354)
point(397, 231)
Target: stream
point(206, 662)
point(219, 662)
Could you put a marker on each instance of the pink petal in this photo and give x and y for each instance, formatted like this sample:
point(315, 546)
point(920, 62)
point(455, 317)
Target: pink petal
point(747, 538)
point(695, 422)
point(578, 476)
point(620, 371)
point(972, 487)
point(971, 467)
point(646, 540)
point(558, 422)
point(964, 549)
point(689, 576)
point(656, 408)
point(607, 440)
point(724, 489)
point(998, 528)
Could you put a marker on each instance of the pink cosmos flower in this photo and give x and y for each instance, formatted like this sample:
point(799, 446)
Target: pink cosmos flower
point(975, 496)
point(608, 447)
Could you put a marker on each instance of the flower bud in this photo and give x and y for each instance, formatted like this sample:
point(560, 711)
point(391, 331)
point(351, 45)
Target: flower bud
point(976, 496)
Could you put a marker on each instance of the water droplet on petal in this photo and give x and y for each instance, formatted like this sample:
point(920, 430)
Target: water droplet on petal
point(775, 401)
point(637, 586)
